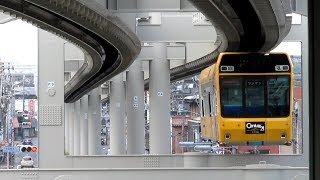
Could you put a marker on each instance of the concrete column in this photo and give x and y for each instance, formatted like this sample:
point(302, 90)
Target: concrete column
point(51, 105)
point(135, 109)
point(117, 116)
point(94, 122)
point(67, 110)
point(159, 91)
point(76, 130)
point(84, 125)
point(71, 118)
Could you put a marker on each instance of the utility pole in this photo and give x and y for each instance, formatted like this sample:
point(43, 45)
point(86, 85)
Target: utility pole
point(23, 79)
point(6, 106)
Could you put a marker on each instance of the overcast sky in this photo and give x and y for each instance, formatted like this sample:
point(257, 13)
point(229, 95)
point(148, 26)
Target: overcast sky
point(18, 43)
point(292, 48)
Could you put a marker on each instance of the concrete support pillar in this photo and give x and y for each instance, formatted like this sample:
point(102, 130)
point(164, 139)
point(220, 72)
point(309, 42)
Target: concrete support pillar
point(135, 109)
point(76, 129)
point(94, 122)
point(117, 116)
point(67, 110)
point(71, 118)
point(84, 125)
point(51, 102)
point(159, 91)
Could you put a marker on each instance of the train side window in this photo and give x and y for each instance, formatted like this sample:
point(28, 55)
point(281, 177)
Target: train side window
point(210, 108)
point(202, 107)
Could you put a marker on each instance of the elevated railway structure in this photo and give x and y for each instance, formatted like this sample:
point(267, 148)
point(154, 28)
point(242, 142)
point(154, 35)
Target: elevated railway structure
point(110, 47)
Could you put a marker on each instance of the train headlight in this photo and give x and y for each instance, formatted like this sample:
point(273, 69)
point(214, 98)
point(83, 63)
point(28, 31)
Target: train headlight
point(227, 136)
point(283, 135)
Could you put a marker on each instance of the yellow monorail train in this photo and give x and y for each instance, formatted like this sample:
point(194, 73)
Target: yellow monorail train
point(246, 99)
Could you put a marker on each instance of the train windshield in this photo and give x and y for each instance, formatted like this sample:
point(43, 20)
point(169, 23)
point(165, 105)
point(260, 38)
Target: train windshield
point(255, 96)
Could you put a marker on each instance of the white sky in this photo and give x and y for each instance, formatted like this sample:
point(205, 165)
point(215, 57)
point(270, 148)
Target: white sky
point(19, 43)
point(292, 48)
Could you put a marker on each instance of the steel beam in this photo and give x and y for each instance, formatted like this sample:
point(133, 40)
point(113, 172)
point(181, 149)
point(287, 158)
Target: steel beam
point(176, 27)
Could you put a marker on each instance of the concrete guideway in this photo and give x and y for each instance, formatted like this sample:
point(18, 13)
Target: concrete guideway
point(109, 46)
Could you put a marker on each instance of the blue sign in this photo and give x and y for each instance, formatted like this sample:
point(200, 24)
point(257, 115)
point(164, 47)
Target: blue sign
point(10, 149)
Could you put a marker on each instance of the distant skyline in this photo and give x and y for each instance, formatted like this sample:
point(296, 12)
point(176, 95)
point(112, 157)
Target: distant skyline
point(19, 43)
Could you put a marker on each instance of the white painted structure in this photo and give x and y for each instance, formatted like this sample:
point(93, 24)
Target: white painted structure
point(81, 163)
